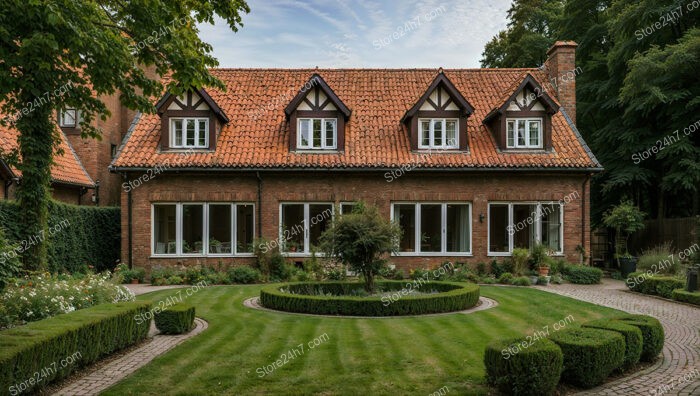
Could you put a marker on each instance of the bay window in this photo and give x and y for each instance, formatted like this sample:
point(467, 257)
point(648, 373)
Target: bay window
point(524, 224)
point(438, 133)
point(434, 228)
point(524, 133)
point(302, 224)
point(202, 229)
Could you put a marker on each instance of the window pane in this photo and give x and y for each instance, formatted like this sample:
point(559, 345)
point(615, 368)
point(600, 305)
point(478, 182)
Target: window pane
point(317, 133)
point(304, 131)
point(458, 228)
point(192, 216)
point(511, 133)
point(437, 132)
point(521, 132)
point(425, 133)
point(523, 226)
point(498, 228)
point(551, 226)
point(320, 217)
point(245, 218)
point(68, 118)
point(346, 208)
point(452, 133)
point(177, 131)
point(534, 133)
point(330, 133)
point(202, 133)
point(190, 132)
point(431, 228)
point(164, 226)
point(405, 215)
point(293, 227)
point(220, 229)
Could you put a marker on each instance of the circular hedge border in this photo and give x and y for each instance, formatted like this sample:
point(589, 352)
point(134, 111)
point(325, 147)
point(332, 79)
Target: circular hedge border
point(652, 334)
point(335, 298)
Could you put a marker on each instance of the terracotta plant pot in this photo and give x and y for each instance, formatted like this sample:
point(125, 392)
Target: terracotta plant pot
point(543, 271)
point(134, 281)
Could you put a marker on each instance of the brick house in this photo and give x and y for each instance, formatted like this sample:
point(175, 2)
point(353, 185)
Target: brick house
point(471, 163)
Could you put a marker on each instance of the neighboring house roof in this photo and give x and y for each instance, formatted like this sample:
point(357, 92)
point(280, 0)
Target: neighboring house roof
point(66, 169)
point(257, 136)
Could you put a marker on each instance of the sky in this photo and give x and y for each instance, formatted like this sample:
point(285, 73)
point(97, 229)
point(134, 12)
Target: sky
point(359, 33)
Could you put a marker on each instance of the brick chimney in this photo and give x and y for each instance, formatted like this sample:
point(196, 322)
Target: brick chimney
point(561, 71)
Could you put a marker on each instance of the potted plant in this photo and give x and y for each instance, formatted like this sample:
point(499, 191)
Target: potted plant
point(539, 258)
point(625, 219)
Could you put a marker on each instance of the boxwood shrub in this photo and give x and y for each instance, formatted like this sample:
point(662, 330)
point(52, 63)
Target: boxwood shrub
point(590, 355)
point(582, 274)
point(652, 334)
point(632, 334)
point(686, 296)
point(521, 367)
point(662, 286)
point(177, 319)
point(345, 298)
point(87, 335)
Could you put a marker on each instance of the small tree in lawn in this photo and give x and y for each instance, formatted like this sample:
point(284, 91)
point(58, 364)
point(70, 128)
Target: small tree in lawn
point(361, 240)
point(626, 219)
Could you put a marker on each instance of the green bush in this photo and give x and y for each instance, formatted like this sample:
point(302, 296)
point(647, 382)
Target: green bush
point(341, 298)
point(88, 236)
point(92, 334)
point(520, 261)
point(590, 355)
point(582, 274)
point(244, 274)
point(505, 278)
point(10, 265)
point(686, 296)
point(632, 334)
point(658, 260)
point(662, 286)
point(652, 334)
point(521, 281)
point(177, 319)
point(499, 268)
point(520, 367)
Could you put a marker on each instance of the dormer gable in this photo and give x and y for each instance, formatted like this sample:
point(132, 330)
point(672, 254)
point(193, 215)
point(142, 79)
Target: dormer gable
point(192, 120)
point(438, 120)
point(523, 119)
point(317, 118)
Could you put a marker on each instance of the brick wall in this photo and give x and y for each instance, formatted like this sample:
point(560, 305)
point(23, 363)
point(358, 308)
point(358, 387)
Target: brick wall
point(560, 65)
point(373, 188)
point(59, 192)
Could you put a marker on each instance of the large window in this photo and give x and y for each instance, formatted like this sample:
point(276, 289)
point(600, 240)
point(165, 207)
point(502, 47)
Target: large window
point(302, 225)
point(434, 228)
point(202, 229)
point(522, 225)
point(317, 134)
point(189, 132)
point(438, 133)
point(524, 132)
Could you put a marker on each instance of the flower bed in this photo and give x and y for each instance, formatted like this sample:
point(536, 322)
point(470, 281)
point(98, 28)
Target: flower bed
point(345, 298)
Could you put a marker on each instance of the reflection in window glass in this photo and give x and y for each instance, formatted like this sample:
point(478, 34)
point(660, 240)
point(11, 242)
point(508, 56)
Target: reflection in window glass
point(458, 233)
point(293, 227)
point(431, 228)
point(192, 229)
point(498, 228)
point(405, 215)
point(551, 226)
point(244, 228)
point(524, 226)
point(320, 217)
point(164, 229)
point(220, 229)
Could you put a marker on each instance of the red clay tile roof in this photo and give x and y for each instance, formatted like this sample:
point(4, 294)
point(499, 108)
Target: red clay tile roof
point(67, 168)
point(374, 138)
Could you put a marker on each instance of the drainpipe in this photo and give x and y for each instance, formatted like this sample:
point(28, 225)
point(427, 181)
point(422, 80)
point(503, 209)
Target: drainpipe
point(129, 224)
point(257, 175)
point(583, 213)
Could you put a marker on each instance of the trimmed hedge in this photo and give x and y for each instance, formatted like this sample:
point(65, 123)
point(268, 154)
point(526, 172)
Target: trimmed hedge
point(662, 286)
point(533, 370)
point(177, 319)
point(686, 296)
point(632, 334)
point(36, 350)
point(652, 334)
point(342, 298)
point(590, 355)
point(582, 274)
point(91, 236)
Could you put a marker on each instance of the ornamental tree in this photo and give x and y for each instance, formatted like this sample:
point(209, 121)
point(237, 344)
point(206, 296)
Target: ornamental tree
point(361, 240)
point(626, 219)
point(57, 54)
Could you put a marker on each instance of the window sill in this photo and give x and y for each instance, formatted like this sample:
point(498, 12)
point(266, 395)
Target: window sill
point(199, 256)
point(509, 254)
point(432, 151)
point(319, 151)
point(432, 254)
point(526, 151)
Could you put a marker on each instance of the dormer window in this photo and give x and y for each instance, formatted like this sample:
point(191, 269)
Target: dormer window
point(317, 134)
point(438, 133)
point(68, 118)
point(189, 132)
point(524, 133)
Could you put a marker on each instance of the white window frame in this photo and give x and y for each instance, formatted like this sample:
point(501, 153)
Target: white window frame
point(307, 228)
point(417, 235)
point(62, 121)
point(324, 133)
point(197, 132)
point(537, 224)
point(515, 144)
point(205, 230)
point(431, 132)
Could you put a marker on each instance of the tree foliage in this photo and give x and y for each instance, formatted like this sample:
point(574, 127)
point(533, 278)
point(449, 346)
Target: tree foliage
point(361, 240)
point(68, 54)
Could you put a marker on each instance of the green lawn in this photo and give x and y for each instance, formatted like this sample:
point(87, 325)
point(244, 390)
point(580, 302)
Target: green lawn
point(360, 356)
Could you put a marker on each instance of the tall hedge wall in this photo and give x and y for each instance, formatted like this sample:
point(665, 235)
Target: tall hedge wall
point(91, 235)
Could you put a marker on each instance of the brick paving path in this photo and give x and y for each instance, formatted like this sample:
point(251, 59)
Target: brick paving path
point(678, 368)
